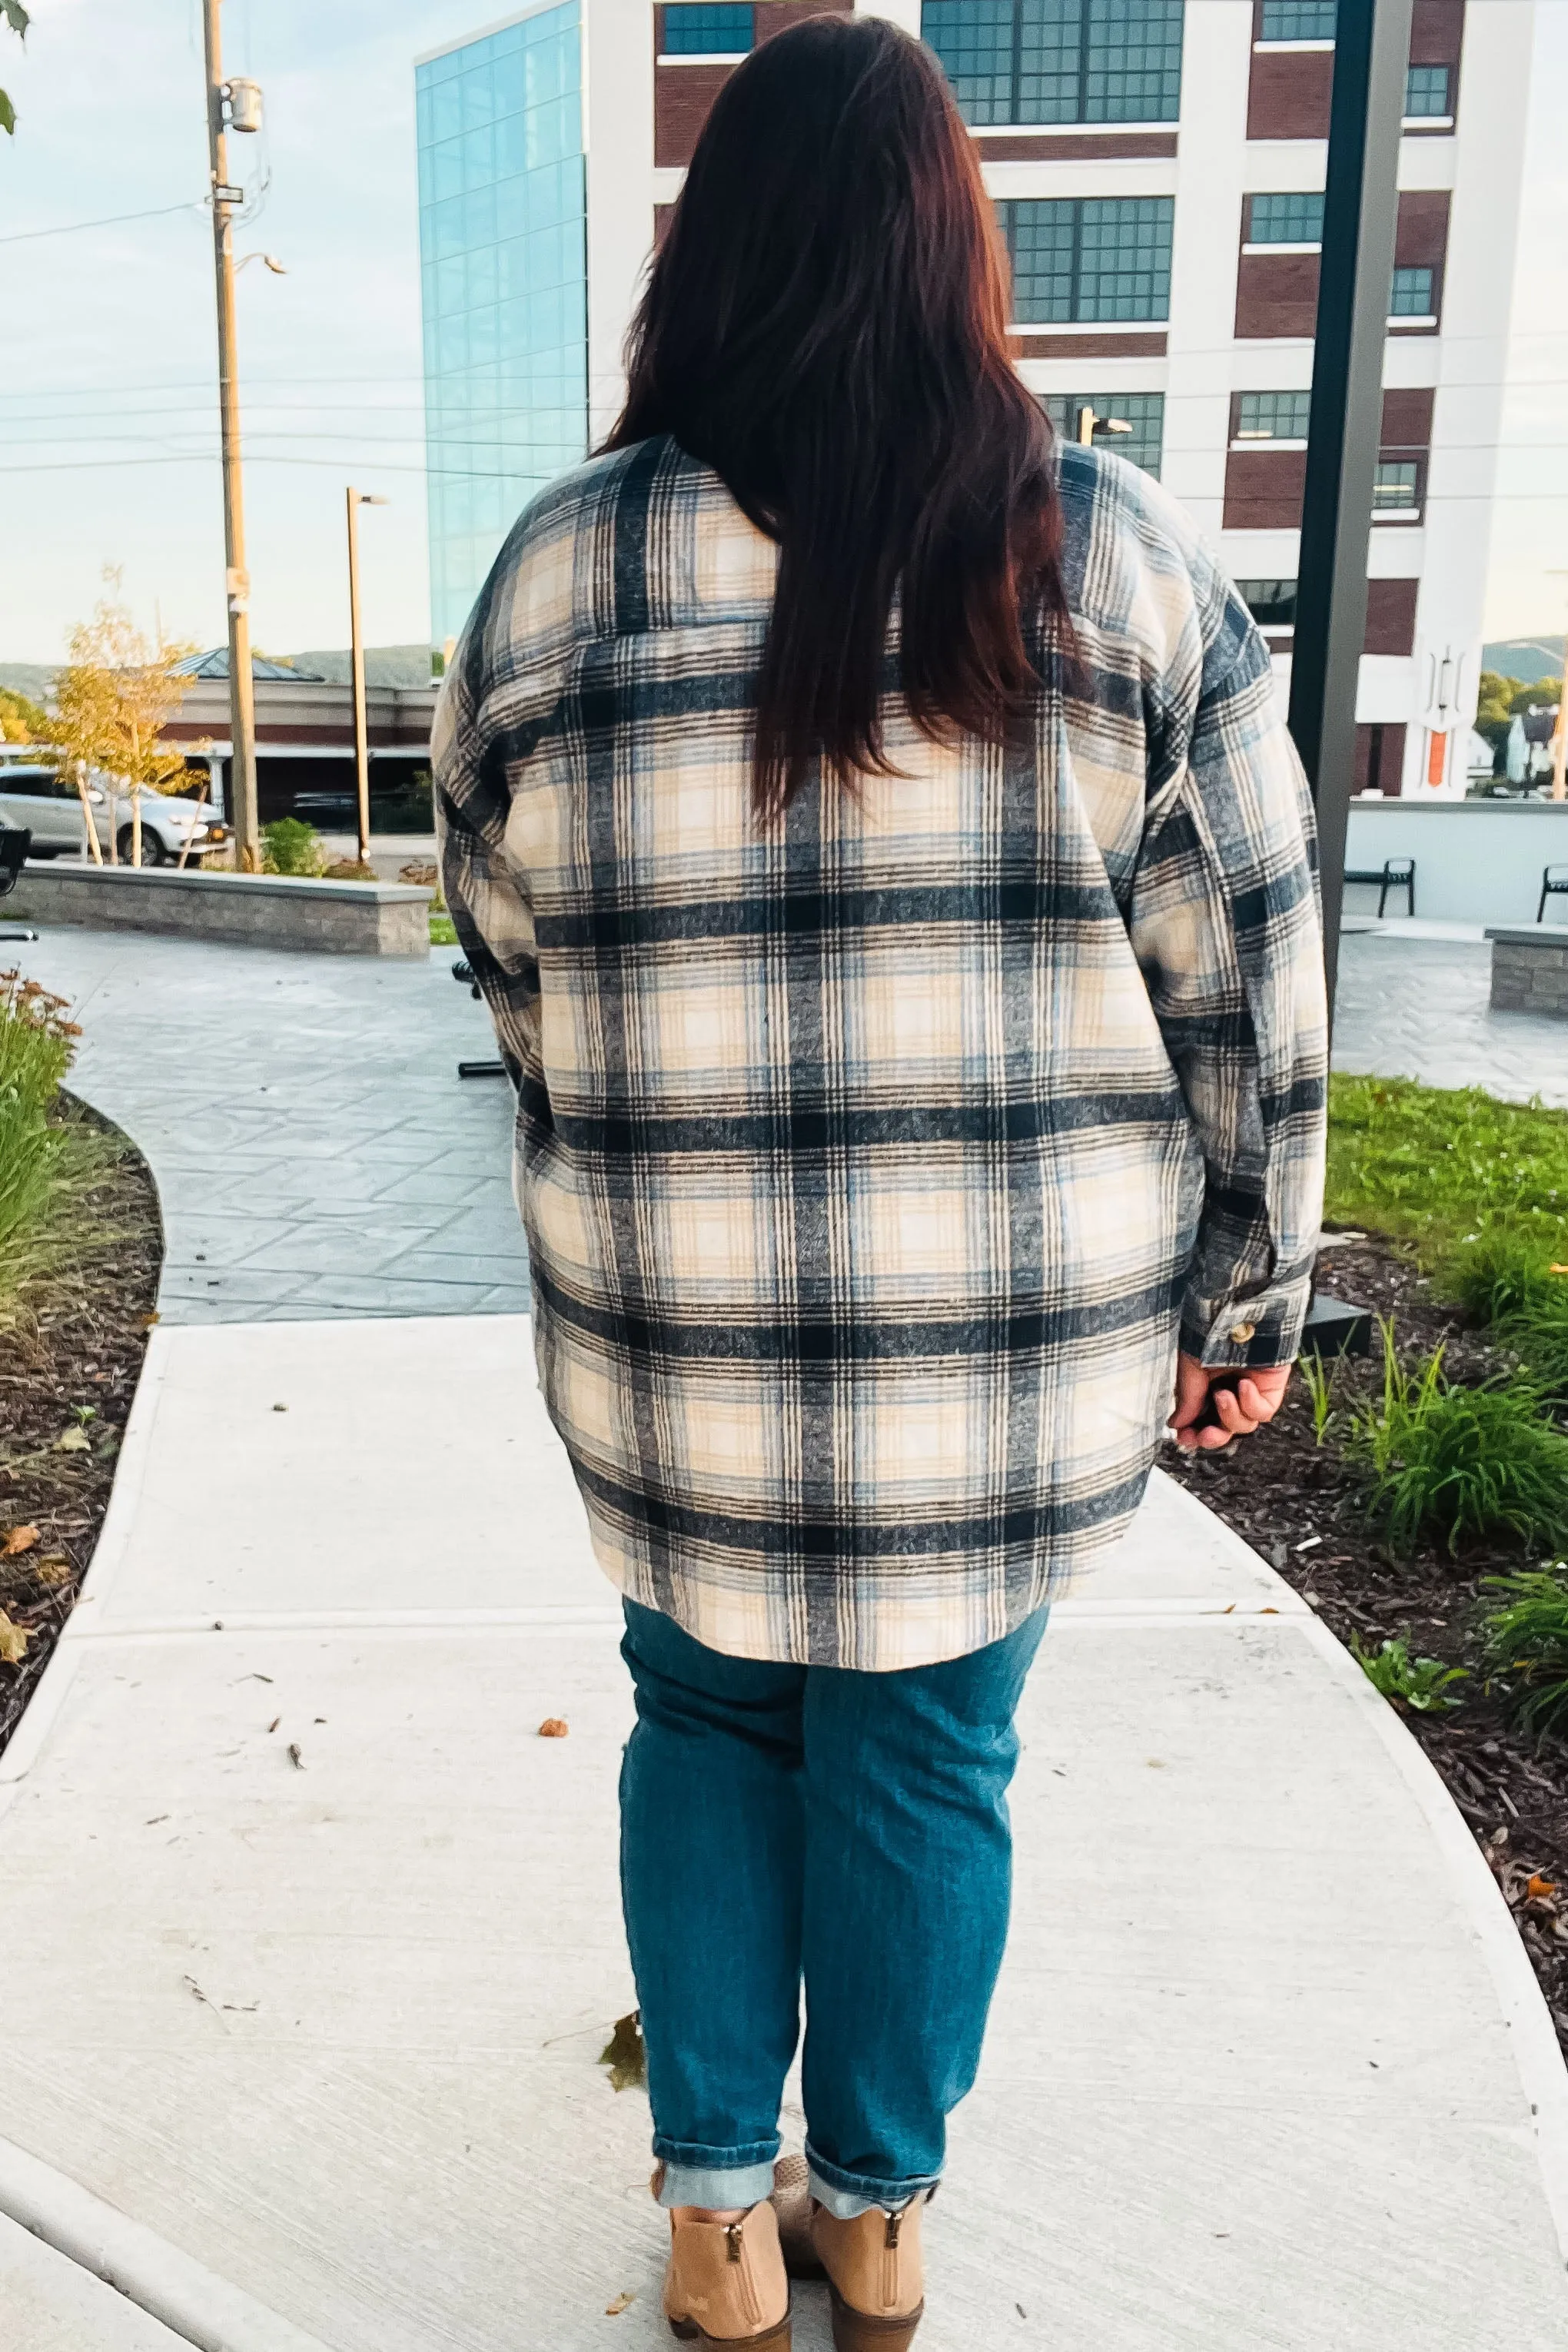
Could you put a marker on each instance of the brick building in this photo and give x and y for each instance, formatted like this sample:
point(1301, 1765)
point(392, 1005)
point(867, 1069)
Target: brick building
point(1158, 170)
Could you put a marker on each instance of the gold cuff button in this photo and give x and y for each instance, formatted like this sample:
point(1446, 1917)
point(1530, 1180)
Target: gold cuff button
point(1242, 1332)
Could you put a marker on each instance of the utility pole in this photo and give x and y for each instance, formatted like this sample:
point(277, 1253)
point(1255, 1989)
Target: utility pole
point(357, 498)
point(242, 809)
point(1371, 49)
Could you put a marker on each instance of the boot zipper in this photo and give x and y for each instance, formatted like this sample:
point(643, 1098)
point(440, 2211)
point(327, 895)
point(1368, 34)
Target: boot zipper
point(891, 2261)
point(736, 2245)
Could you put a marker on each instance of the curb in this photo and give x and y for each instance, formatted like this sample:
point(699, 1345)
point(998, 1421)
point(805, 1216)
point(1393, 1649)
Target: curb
point(183, 2296)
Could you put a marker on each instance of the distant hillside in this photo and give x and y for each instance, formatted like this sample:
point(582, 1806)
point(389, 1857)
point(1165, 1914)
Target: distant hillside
point(1526, 658)
point(384, 665)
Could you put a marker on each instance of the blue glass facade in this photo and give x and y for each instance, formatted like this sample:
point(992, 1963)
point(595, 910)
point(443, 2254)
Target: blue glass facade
point(503, 255)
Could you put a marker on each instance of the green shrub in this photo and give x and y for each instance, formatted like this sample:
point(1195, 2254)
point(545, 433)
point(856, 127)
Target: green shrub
point(35, 1045)
point(1440, 1168)
point(1528, 1636)
point(289, 845)
point(1420, 1684)
point(1455, 1463)
point(1503, 1280)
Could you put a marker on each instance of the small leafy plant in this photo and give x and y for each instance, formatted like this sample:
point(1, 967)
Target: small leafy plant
point(35, 1045)
point(289, 845)
point(1503, 1279)
point(1420, 1684)
point(1318, 1380)
point(1527, 1636)
point(1457, 1462)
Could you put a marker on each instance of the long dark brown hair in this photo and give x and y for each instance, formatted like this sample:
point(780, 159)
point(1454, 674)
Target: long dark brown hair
point(825, 326)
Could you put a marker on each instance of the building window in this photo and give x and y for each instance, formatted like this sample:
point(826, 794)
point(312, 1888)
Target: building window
point(1426, 93)
point(1412, 294)
point(503, 235)
point(1396, 490)
point(1273, 415)
point(1285, 220)
point(1298, 20)
point(1059, 60)
point(1144, 411)
point(691, 31)
point(1088, 258)
point(1271, 602)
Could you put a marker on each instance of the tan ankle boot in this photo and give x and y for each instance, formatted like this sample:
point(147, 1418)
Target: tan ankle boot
point(726, 2285)
point(876, 2275)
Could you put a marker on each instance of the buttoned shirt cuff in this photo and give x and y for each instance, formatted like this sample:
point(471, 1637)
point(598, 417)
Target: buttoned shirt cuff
point(1255, 1334)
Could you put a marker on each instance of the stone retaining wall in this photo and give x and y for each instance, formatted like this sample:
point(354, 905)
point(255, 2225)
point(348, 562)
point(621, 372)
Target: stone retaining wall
point(263, 910)
point(1529, 970)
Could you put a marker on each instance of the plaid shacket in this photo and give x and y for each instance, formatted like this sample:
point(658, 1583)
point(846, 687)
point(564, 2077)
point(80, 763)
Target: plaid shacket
point(870, 1163)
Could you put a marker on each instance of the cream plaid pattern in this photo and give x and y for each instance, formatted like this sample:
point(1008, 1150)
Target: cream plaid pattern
point(869, 1167)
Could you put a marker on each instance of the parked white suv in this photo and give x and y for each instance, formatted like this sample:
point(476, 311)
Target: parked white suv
point(48, 805)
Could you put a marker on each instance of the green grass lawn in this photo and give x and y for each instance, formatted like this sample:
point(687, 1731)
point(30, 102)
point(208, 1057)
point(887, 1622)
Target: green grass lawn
point(1440, 1170)
point(443, 931)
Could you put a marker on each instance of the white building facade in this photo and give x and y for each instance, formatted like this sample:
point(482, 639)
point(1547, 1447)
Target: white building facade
point(1158, 166)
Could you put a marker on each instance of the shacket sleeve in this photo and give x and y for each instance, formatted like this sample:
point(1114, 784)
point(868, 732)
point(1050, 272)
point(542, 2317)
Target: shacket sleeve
point(1225, 921)
point(485, 895)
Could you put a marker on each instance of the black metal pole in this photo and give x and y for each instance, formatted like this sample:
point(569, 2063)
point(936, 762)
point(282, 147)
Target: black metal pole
point(1359, 207)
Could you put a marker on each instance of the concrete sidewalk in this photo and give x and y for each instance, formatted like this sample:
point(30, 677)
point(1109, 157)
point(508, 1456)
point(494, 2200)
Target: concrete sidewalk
point(309, 1944)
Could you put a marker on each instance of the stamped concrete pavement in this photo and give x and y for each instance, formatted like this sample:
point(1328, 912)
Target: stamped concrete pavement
point(315, 1151)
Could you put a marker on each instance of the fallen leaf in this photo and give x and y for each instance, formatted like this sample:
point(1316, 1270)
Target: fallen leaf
point(622, 2302)
point(148, 1321)
point(1540, 1886)
point(73, 1441)
point(14, 1640)
point(53, 1569)
point(295, 1758)
point(625, 2054)
point(279, 1408)
point(274, 1724)
point(554, 1726)
point(18, 1539)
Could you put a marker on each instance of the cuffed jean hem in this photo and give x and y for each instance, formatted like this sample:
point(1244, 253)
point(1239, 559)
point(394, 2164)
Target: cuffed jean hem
point(720, 2179)
point(846, 2195)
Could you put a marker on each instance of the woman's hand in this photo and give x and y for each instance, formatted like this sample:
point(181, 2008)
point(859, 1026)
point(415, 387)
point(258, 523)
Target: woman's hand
point(1241, 1408)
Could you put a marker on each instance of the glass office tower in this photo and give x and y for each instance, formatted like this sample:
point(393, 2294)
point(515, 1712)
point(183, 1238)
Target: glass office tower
point(503, 253)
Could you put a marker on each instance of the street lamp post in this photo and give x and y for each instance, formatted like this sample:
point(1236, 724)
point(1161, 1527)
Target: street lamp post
point(354, 500)
point(245, 114)
point(1371, 49)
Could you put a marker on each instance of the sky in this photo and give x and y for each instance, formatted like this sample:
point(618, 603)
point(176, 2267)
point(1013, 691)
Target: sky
point(107, 405)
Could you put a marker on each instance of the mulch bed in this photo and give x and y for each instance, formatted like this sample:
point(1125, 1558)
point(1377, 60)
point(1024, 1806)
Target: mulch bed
point(72, 1367)
point(1280, 1489)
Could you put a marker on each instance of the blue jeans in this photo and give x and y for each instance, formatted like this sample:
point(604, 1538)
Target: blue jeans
point(782, 1821)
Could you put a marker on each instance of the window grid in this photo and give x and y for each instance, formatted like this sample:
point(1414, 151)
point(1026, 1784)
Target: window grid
point(1396, 487)
point(503, 259)
point(1427, 92)
point(1285, 219)
point(1144, 411)
point(692, 30)
point(1273, 415)
point(1271, 602)
point(1412, 294)
point(1088, 257)
point(1059, 60)
point(1298, 20)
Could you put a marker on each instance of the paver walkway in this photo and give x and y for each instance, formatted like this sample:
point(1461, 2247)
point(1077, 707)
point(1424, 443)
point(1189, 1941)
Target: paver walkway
point(309, 1944)
point(1415, 1007)
point(315, 1151)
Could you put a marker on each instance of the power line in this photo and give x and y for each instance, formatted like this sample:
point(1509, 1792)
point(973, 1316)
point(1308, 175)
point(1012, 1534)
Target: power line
point(109, 220)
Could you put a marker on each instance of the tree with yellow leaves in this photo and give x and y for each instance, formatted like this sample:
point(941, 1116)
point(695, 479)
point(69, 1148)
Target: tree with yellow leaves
point(112, 700)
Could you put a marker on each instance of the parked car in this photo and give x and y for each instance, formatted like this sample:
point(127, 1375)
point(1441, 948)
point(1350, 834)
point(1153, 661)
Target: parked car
point(48, 805)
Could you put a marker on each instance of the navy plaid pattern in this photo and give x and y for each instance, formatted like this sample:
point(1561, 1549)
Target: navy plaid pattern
point(872, 1163)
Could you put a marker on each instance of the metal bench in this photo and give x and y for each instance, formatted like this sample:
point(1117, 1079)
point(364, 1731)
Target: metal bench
point(463, 971)
point(1397, 873)
point(14, 843)
point(1554, 885)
